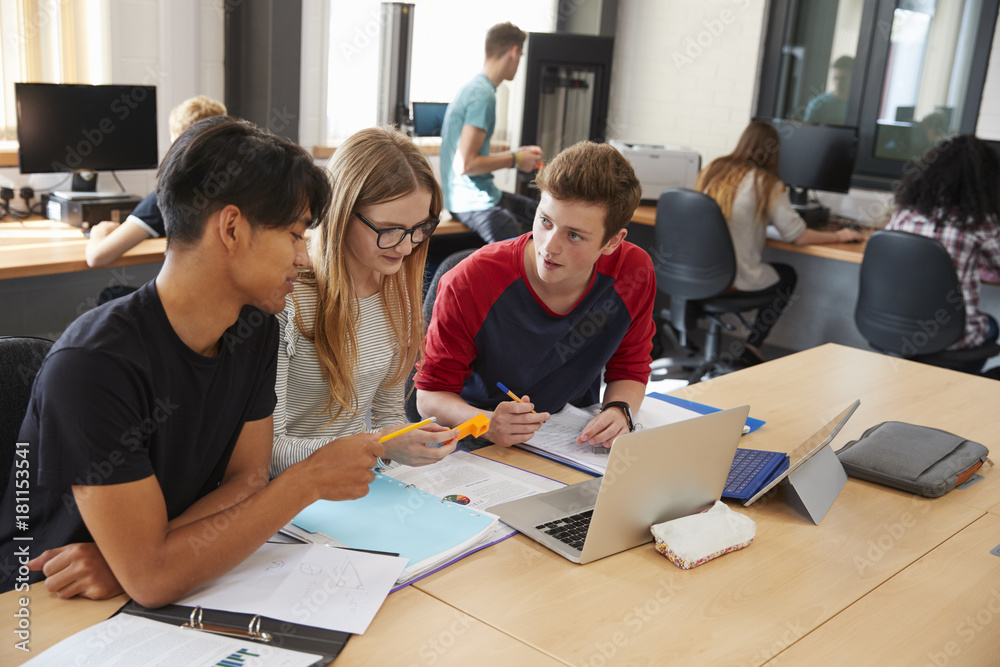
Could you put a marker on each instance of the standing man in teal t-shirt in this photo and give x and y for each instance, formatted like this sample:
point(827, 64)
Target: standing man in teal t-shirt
point(467, 165)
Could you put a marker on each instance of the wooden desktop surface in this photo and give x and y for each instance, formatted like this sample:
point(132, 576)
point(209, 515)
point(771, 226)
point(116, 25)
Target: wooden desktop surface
point(38, 247)
point(844, 252)
point(748, 607)
point(886, 574)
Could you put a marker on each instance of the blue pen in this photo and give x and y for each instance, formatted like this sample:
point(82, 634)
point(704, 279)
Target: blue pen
point(510, 393)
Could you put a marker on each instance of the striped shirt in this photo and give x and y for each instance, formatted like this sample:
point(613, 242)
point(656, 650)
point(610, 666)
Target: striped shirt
point(300, 416)
point(971, 250)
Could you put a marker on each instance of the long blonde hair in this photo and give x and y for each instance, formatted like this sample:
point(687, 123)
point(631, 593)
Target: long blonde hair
point(373, 166)
point(757, 150)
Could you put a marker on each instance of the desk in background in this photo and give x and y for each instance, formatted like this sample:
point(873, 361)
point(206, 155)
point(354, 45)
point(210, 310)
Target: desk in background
point(886, 577)
point(45, 282)
point(844, 252)
point(39, 247)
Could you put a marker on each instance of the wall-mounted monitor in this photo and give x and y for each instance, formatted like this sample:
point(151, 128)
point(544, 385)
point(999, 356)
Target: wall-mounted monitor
point(77, 128)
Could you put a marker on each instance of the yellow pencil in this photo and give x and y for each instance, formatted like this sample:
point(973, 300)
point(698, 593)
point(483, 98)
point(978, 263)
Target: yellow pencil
point(407, 429)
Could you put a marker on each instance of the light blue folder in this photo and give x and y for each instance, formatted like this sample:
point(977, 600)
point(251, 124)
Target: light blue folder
point(396, 518)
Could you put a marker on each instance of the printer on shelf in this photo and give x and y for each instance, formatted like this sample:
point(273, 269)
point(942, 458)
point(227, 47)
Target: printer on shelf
point(659, 168)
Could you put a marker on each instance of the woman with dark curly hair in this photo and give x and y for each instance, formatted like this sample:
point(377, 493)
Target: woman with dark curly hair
point(953, 195)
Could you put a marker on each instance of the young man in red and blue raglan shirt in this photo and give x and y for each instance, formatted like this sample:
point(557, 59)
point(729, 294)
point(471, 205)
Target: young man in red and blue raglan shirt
point(546, 312)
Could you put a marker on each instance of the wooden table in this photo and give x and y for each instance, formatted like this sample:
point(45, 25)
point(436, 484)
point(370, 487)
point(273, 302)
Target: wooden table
point(886, 578)
point(844, 252)
point(41, 247)
point(38, 247)
point(646, 215)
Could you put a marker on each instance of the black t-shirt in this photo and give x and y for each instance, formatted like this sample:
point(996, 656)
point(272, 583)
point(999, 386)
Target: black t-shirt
point(149, 215)
point(119, 398)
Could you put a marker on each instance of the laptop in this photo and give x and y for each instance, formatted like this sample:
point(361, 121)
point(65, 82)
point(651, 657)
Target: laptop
point(653, 476)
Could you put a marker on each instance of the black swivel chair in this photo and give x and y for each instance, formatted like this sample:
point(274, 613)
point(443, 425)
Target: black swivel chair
point(446, 265)
point(910, 301)
point(19, 362)
point(695, 266)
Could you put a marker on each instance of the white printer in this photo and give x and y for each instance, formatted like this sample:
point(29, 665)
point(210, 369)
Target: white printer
point(660, 167)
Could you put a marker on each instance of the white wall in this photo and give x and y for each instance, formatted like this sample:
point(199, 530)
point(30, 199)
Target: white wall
point(684, 73)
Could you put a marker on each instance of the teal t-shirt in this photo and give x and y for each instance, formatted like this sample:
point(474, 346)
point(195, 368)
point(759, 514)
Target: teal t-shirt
point(475, 105)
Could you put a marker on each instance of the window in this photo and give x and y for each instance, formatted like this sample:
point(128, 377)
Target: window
point(906, 73)
point(447, 51)
point(50, 41)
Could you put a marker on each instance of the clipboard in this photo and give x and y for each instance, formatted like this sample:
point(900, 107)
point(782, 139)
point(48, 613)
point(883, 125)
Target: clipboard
point(258, 629)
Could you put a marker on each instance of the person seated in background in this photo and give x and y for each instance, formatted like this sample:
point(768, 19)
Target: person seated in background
point(952, 195)
point(830, 108)
point(546, 312)
point(351, 330)
point(750, 193)
point(110, 240)
point(149, 423)
point(467, 165)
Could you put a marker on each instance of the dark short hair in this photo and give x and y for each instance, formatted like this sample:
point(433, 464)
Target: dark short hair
point(501, 37)
point(959, 177)
point(843, 63)
point(596, 174)
point(221, 161)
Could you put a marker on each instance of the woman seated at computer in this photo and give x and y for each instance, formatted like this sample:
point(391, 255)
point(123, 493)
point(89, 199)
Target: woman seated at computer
point(351, 329)
point(110, 240)
point(750, 193)
point(951, 195)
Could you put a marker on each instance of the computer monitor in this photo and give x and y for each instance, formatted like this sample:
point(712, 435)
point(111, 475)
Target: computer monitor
point(428, 118)
point(82, 128)
point(815, 157)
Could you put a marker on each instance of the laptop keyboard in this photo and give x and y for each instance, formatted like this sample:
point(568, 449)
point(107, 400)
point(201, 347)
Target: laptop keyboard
point(746, 465)
point(571, 530)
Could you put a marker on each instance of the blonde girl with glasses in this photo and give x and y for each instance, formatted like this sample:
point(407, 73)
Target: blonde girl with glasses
point(352, 328)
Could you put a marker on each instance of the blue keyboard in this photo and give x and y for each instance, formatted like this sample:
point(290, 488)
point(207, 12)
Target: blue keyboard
point(751, 471)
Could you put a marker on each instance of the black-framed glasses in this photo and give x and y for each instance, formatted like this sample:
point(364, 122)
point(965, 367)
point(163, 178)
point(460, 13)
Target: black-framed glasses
point(390, 237)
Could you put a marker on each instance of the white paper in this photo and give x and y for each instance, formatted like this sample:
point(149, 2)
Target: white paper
point(477, 482)
point(126, 640)
point(653, 412)
point(313, 585)
point(557, 437)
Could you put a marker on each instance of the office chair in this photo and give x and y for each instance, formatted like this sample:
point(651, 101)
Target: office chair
point(20, 359)
point(910, 302)
point(446, 265)
point(695, 265)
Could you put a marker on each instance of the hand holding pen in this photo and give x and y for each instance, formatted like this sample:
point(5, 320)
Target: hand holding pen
point(514, 421)
point(418, 444)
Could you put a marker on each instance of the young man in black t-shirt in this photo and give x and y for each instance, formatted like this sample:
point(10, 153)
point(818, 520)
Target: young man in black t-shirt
point(148, 436)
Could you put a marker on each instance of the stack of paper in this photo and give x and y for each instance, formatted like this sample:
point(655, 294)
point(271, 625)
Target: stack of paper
point(397, 518)
point(557, 437)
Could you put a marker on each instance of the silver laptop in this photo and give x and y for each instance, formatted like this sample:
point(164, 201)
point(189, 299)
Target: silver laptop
point(653, 475)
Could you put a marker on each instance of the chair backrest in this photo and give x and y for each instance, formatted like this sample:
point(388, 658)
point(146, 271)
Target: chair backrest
point(694, 257)
point(449, 262)
point(910, 301)
point(19, 362)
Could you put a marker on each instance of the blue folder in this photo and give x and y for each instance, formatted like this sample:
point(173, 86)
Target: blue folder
point(396, 518)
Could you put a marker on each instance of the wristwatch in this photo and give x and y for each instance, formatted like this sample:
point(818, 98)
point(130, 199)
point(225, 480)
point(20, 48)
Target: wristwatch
point(625, 408)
